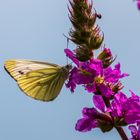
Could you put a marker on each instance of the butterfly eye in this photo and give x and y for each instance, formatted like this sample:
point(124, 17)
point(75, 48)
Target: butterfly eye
point(69, 66)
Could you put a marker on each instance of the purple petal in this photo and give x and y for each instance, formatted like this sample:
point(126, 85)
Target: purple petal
point(71, 55)
point(121, 97)
point(139, 132)
point(85, 124)
point(90, 87)
point(117, 66)
point(99, 102)
point(117, 104)
point(116, 109)
point(71, 82)
point(134, 96)
point(135, 132)
point(105, 91)
point(130, 118)
point(90, 112)
point(133, 129)
point(124, 75)
point(82, 79)
point(114, 75)
point(97, 66)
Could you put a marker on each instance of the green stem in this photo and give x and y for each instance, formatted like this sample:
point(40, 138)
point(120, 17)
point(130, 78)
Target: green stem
point(122, 133)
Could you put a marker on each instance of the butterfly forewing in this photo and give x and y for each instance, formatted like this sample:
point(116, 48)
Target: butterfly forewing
point(39, 80)
point(16, 68)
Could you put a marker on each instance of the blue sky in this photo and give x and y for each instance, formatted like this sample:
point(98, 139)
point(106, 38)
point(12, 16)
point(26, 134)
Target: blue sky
point(32, 29)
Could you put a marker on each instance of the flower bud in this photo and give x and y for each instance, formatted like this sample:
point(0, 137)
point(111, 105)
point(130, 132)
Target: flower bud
point(96, 39)
point(117, 87)
point(105, 122)
point(83, 54)
point(105, 126)
point(106, 57)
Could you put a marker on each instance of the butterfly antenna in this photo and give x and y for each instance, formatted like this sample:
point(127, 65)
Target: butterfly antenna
point(68, 39)
point(67, 48)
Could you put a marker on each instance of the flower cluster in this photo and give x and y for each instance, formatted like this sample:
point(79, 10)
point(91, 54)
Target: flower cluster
point(105, 85)
point(120, 113)
point(94, 77)
point(111, 107)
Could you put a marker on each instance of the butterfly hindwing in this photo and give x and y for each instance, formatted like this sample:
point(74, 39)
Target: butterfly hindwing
point(44, 84)
point(39, 80)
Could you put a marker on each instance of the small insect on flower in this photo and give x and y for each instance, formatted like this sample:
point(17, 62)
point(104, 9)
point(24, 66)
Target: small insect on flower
point(39, 80)
point(99, 16)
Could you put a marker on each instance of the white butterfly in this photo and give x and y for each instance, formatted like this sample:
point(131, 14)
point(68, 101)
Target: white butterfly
point(39, 80)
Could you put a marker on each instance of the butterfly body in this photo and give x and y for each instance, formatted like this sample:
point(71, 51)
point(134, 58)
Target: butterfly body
point(39, 80)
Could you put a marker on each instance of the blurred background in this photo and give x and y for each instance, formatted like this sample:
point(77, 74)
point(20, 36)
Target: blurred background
point(32, 29)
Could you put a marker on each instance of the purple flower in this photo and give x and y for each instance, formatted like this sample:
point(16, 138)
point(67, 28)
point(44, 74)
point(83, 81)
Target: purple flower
point(92, 118)
point(125, 108)
point(78, 77)
point(88, 121)
point(93, 76)
point(104, 79)
point(135, 132)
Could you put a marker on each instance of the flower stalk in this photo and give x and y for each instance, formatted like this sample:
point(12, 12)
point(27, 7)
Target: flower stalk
point(122, 133)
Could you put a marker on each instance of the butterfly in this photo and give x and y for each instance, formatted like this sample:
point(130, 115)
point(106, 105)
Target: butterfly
point(39, 80)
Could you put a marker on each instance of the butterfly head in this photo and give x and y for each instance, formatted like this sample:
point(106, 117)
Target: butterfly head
point(66, 70)
point(68, 67)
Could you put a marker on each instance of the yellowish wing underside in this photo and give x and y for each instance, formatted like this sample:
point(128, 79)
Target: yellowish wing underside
point(16, 68)
point(41, 81)
point(44, 84)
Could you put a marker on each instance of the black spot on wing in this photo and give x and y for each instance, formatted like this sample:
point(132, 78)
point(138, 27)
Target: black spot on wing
point(21, 72)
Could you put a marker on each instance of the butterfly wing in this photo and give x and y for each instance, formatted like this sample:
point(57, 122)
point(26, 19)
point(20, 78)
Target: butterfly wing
point(39, 80)
point(17, 68)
